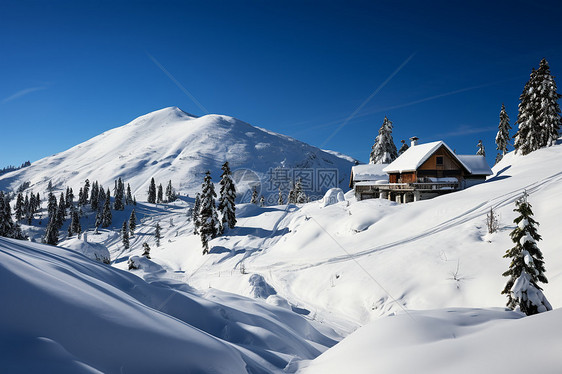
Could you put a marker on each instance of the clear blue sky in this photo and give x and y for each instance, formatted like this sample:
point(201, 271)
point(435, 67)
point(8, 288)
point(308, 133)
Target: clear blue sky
point(71, 70)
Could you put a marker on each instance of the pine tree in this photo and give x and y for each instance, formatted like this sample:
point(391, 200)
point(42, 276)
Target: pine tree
point(146, 250)
point(119, 195)
point(128, 196)
point(527, 265)
point(209, 223)
point(61, 212)
point(75, 227)
point(195, 214)
point(502, 137)
point(85, 193)
point(255, 195)
point(157, 234)
point(481, 151)
point(403, 148)
point(262, 201)
point(132, 222)
point(101, 197)
point(19, 208)
point(125, 235)
point(52, 205)
point(51, 233)
point(160, 194)
point(152, 192)
point(227, 198)
point(299, 194)
point(69, 197)
point(94, 196)
point(170, 194)
point(106, 215)
point(384, 151)
point(280, 198)
point(6, 223)
point(292, 197)
point(538, 118)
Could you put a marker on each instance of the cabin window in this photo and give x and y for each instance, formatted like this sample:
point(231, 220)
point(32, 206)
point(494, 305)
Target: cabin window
point(439, 160)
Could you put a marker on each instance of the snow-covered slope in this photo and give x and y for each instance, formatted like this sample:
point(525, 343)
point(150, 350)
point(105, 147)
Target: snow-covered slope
point(62, 312)
point(170, 144)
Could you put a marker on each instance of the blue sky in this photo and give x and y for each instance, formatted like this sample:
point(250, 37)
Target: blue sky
point(71, 70)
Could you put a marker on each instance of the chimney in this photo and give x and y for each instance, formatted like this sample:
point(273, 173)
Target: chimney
point(414, 141)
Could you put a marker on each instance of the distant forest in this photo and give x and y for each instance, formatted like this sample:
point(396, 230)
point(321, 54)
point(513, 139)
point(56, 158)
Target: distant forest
point(10, 168)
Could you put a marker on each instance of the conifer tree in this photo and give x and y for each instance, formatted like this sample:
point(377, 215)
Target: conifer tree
point(85, 193)
point(292, 196)
point(527, 266)
point(146, 250)
point(403, 148)
point(51, 233)
point(75, 227)
point(280, 198)
point(80, 196)
point(61, 211)
point(152, 192)
point(209, 223)
point(125, 235)
point(19, 208)
point(94, 196)
point(101, 197)
point(195, 214)
point(384, 151)
point(6, 223)
point(129, 195)
point(481, 151)
point(69, 198)
point(132, 222)
point(227, 198)
point(299, 194)
point(106, 215)
point(160, 194)
point(255, 196)
point(170, 194)
point(119, 195)
point(502, 137)
point(157, 234)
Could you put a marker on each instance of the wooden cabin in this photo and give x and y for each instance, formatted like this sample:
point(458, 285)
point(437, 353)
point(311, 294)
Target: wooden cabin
point(425, 171)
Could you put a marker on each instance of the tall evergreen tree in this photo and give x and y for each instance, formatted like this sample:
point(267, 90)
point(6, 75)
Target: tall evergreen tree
point(119, 195)
point(160, 194)
point(75, 227)
point(209, 223)
point(69, 198)
point(502, 137)
point(94, 196)
point(280, 198)
point(129, 195)
point(255, 196)
point(61, 211)
point(132, 222)
point(170, 193)
point(227, 198)
point(152, 192)
point(157, 234)
point(6, 222)
point(19, 208)
point(481, 150)
point(106, 215)
point(51, 233)
point(125, 235)
point(146, 250)
point(101, 197)
point(195, 214)
point(299, 194)
point(384, 150)
point(527, 266)
point(52, 205)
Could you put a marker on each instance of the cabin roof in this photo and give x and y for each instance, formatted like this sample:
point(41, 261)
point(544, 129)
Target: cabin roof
point(369, 172)
point(415, 156)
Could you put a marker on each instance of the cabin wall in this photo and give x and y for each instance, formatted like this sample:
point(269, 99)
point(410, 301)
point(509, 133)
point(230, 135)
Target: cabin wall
point(449, 163)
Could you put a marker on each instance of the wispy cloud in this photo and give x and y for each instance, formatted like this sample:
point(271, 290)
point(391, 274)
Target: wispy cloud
point(465, 130)
point(23, 92)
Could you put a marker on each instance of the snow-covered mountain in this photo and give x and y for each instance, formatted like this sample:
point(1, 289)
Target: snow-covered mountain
point(170, 144)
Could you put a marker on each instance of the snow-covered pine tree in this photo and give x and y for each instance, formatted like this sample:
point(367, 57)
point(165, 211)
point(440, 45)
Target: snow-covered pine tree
point(106, 214)
point(94, 202)
point(80, 196)
point(152, 192)
point(502, 137)
point(548, 114)
point(254, 199)
point(227, 199)
point(119, 196)
point(85, 193)
point(128, 195)
point(75, 227)
point(51, 233)
point(19, 208)
point(6, 223)
point(527, 266)
point(299, 194)
point(280, 198)
point(195, 214)
point(209, 223)
point(146, 250)
point(160, 194)
point(101, 197)
point(262, 201)
point(61, 212)
point(69, 198)
point(403, 148)
point(481, 151)
point(132, 223)
point(125, 235)
point(384, 150)
point(291, 199)
point(527, 138)
point(157, 234)
point(52, 205)
point(170, 193)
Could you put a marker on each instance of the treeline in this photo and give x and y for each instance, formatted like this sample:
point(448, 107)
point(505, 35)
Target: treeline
point(10, 168)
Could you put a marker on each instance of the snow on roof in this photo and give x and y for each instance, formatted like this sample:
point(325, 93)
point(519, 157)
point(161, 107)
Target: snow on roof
point(369, 172)
point(476, 164)
point(414, 157)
